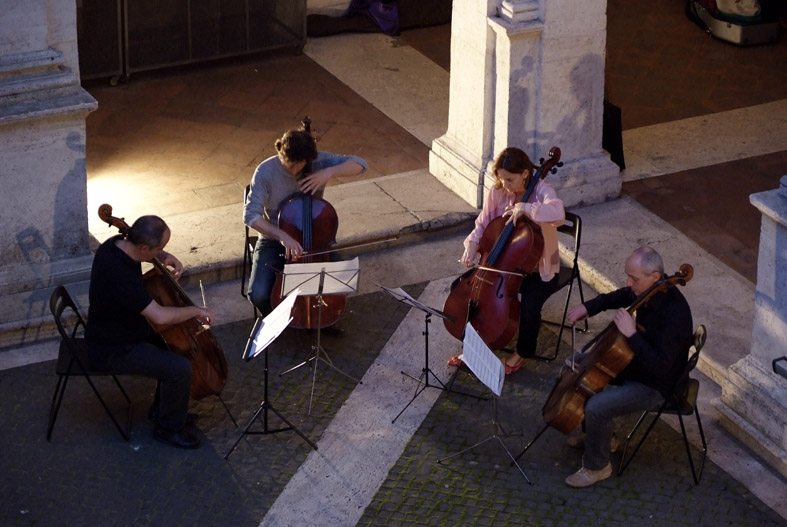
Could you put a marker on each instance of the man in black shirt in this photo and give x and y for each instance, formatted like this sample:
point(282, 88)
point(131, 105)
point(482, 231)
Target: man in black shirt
point(119, 333)
point(660, 338)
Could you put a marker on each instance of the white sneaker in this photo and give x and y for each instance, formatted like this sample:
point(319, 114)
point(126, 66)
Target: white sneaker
point(578, 441)
point(585, 477)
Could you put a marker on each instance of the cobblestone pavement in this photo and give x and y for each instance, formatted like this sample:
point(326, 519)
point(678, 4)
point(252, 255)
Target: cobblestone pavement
point(89, 475)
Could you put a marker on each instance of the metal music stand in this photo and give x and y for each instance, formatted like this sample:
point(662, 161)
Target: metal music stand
point(253, 348)
point(489, 370)
point(318, 279)
point(400, 295)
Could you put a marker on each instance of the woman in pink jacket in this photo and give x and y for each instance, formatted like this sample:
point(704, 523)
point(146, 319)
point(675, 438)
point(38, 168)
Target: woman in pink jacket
point(512, 171)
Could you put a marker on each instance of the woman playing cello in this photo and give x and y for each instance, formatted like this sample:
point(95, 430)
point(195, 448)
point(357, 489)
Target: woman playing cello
point(512, 171)
point(276, 179)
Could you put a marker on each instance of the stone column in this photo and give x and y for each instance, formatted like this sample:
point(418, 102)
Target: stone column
point(527, 73)
point(44, 236)
point(753, 403)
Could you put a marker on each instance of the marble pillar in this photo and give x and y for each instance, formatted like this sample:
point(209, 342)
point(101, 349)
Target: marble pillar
point(753, 402)
point(527, 73)
point(44, 239)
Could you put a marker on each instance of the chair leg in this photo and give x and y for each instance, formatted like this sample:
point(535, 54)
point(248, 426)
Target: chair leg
point(696, 472)
point(624, 461)
point(57, 399)
point(126, 433)
point(54, 408)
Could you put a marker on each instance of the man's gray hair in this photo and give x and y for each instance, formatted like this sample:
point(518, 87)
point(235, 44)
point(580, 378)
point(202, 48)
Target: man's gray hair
point(649, 260)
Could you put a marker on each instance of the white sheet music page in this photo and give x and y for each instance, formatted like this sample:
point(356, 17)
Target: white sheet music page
point(338, 278)
point(274, 323)
point(482, 361)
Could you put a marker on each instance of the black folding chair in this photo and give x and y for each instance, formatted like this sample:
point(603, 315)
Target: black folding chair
point(249, 242)
point(569, 274)
point(682, 401)
point(72, 360)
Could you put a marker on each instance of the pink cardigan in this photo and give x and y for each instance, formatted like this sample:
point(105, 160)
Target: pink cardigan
point(543, 207)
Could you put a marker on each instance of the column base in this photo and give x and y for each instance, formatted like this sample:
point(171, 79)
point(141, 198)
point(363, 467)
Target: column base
point(753, 408)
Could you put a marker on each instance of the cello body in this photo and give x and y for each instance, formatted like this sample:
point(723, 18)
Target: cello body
point(488, 295)
point(565, 408)
point(188, 338)
point(609, 355)
point(313, 222)
point(489, 299)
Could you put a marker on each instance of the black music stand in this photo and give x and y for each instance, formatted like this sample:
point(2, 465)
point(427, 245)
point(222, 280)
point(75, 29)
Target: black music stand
point(318, 279)
point(490, 370)
point(400, 295)
point(253, 348)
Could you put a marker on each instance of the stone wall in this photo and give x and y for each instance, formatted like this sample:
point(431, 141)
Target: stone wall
point(44, 239)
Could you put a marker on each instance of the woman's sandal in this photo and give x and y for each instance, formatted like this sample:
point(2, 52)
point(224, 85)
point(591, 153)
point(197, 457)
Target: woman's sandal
point(455, 361)
point(515, 367)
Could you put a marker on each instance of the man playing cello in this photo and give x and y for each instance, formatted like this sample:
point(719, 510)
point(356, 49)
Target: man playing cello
point(660, 338)
point(119, 334)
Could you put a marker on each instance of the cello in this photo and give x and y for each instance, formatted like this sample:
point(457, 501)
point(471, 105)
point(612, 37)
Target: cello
point(312, 222)
point(188, 338)
point(487, 295)
point(610, 354)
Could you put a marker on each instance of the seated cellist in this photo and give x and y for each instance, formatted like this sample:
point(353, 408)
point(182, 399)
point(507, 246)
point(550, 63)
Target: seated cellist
point(275, 179)
point(512, 171)
point(119, 334)
point(660, 338)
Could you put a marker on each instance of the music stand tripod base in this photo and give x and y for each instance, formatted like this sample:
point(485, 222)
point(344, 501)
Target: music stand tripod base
point(318, 279)
point(498, 434)
point(265, 405)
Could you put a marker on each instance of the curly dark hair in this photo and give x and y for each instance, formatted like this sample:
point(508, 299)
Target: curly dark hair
point(296, 146)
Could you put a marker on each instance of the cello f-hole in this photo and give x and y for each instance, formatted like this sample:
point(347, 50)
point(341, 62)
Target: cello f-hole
point(499, 292)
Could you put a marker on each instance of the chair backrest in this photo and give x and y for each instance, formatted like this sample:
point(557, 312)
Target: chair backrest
point(58, 303)
point(686, 389)
point(573, 228)
point(250, 239)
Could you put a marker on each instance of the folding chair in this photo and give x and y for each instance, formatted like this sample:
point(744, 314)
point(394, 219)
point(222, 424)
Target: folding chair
point(682, 401)
point(72, 360)
point(568, 275)
point(249, 242)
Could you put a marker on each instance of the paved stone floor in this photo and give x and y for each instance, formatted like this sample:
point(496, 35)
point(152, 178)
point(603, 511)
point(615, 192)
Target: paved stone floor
point(89, 475)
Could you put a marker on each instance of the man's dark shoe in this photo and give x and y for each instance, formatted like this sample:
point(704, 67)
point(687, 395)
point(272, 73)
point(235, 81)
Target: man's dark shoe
point(183, 438)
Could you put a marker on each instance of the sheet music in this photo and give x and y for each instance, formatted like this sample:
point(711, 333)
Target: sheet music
point(482, 361)
point(274, 324)
point(401, 295)
point(339, 278)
